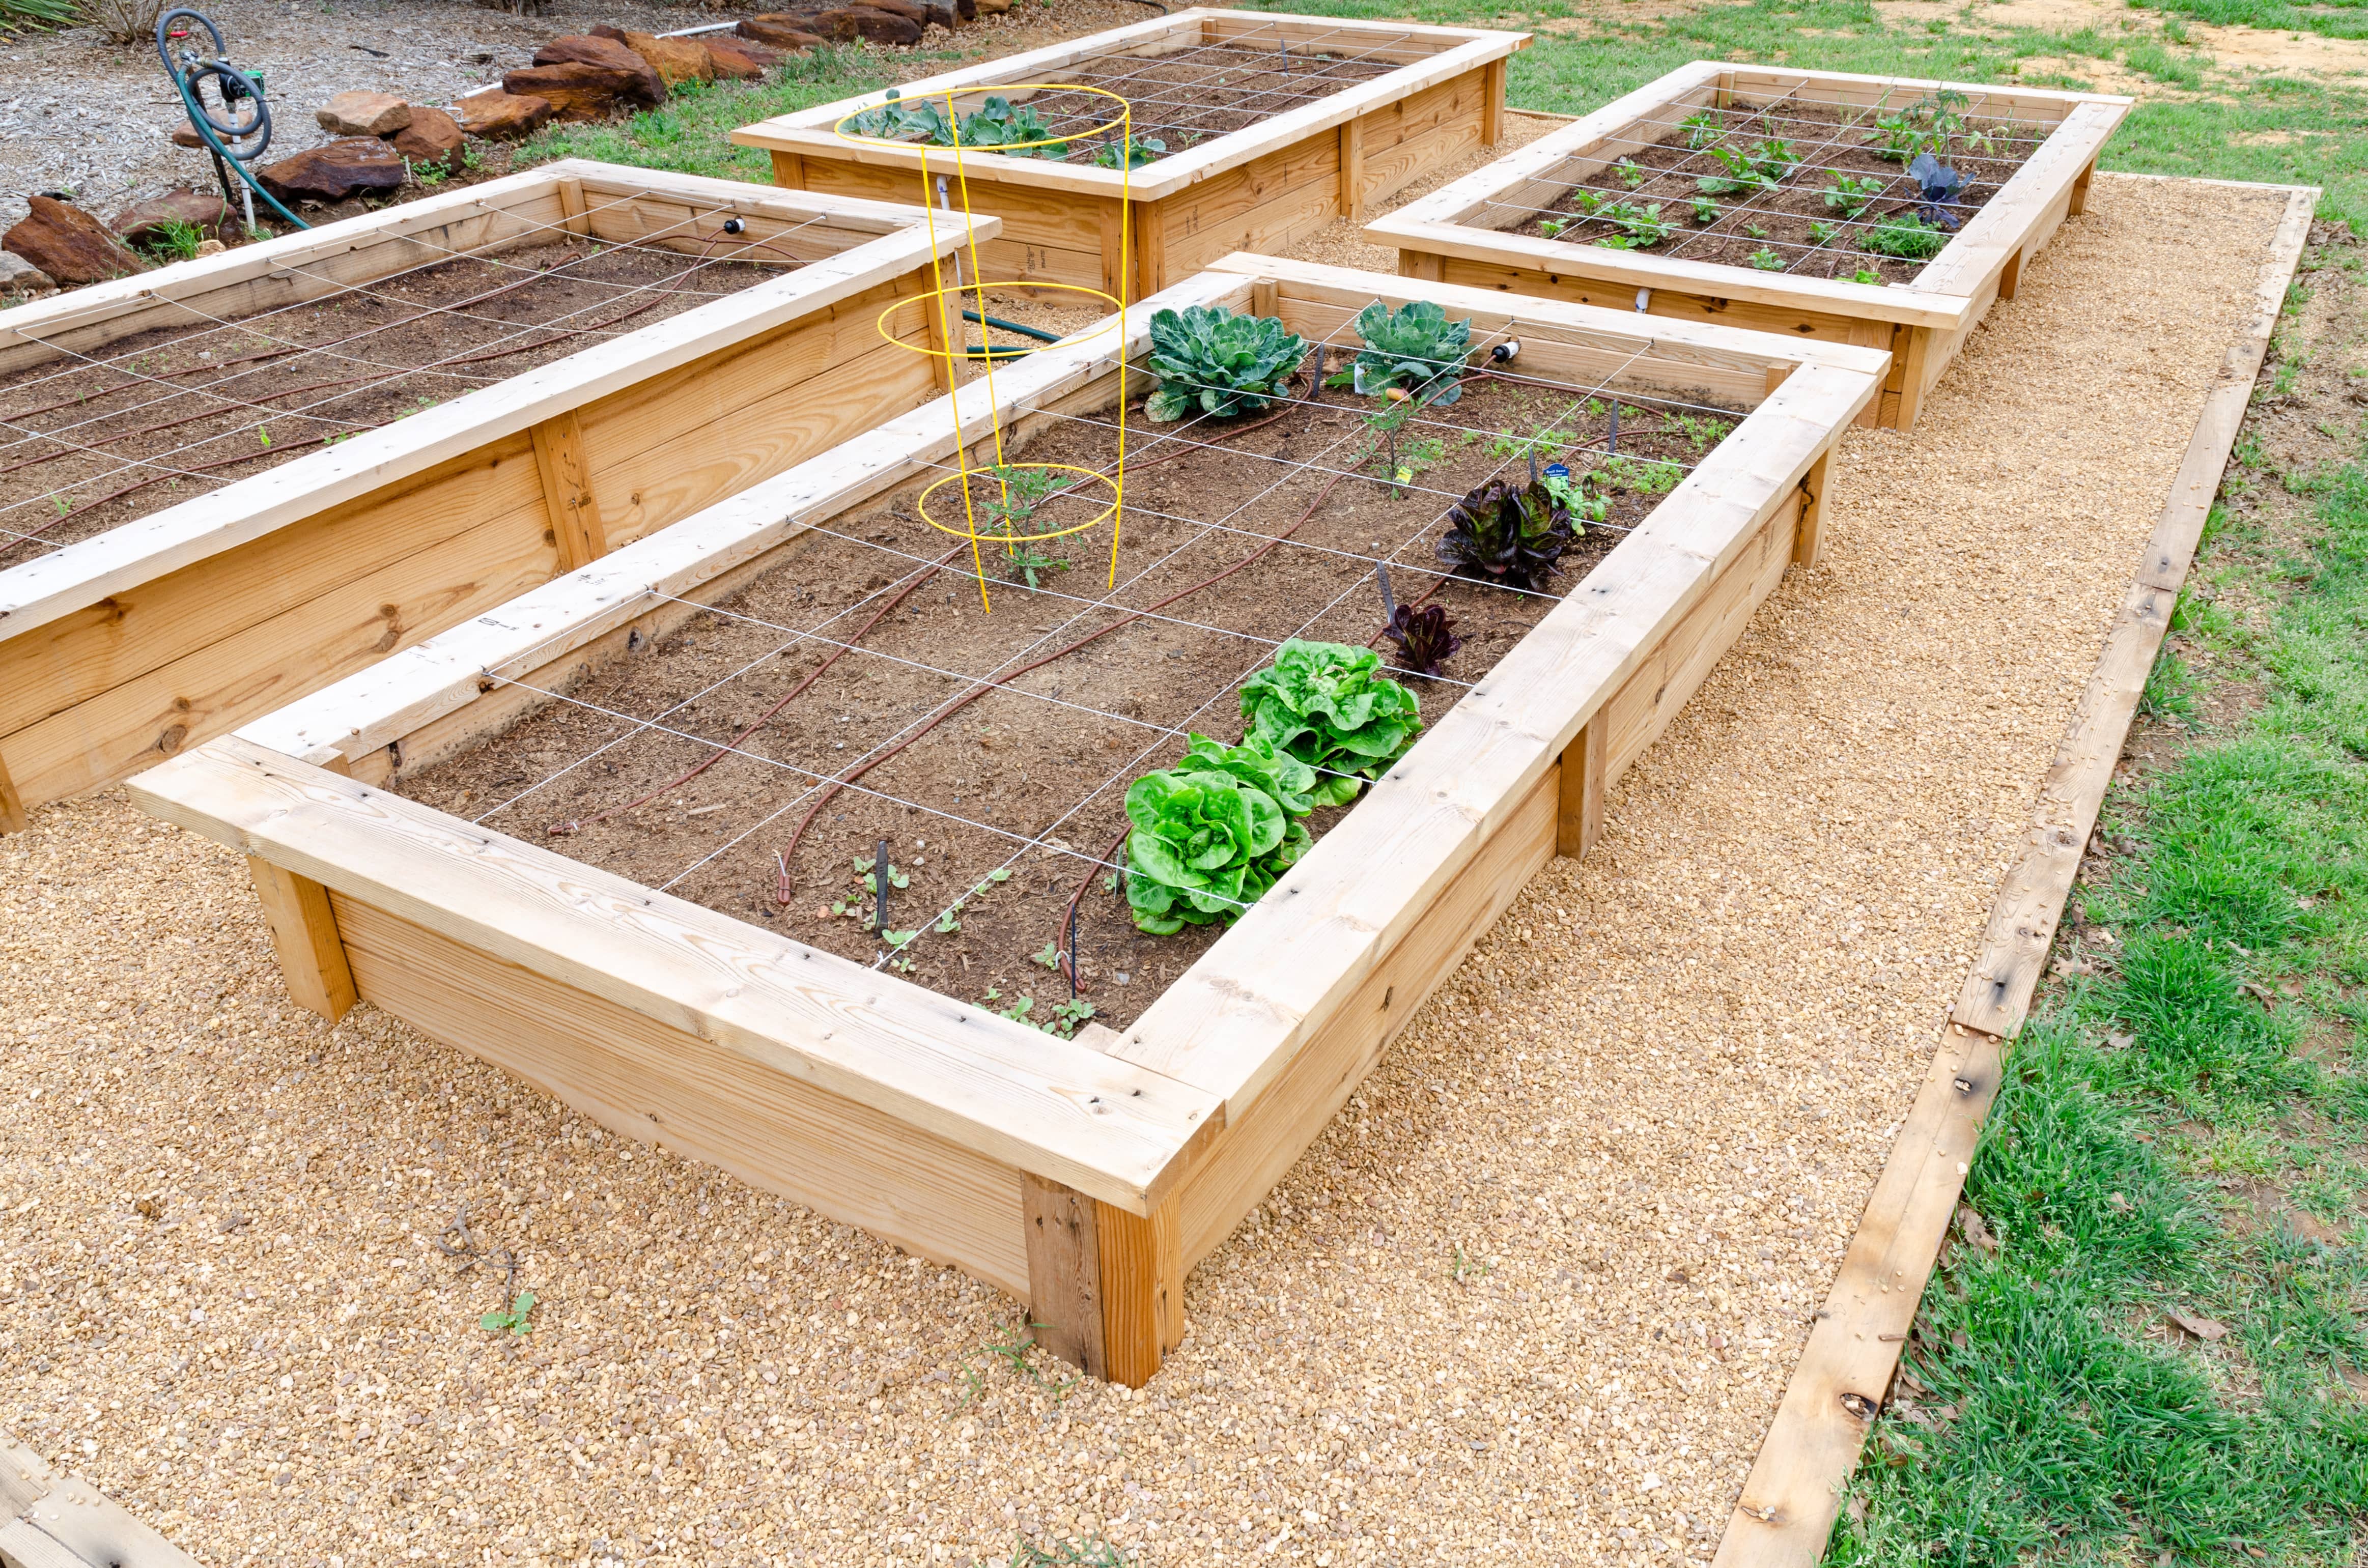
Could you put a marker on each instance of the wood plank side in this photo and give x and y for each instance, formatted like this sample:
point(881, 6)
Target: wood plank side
point(1255, 1152)
point(567, 495)
point(960, 1072)
point(12, 804)
point(680, 1092)
point(304, 938)
point(1790, 1502)
point(77, 1527)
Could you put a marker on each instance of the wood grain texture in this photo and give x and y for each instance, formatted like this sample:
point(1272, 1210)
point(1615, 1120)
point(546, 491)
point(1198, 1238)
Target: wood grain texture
point(12, 804)
point(304, 938)
point(1578, 817)
point(958, 1072)
point(567, 496)
point(677, 1091)
point(69, 1523)
point(1790, 1499)
point(1064, 1271)
point(1141, 1290)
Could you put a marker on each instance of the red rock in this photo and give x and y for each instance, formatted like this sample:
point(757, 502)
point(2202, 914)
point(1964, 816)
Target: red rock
point(867, 22)
point(336, 171)
point(738, 60)
point(612, 33)
point(432, 137)
point(501, 117)
point(68, 244)
point(674, 59)
point(187, 136)
point(208, 214)
point(363, 114)
point(648, 88)
point(781, 30)
point(575, 91)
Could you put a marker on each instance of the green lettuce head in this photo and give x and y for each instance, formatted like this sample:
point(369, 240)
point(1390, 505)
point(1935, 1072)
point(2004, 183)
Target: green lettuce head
point(1329, 706)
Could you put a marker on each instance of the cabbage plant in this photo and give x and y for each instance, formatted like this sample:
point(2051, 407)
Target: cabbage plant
point(1211, 361)
point(1329, 706)
point(1415, 351)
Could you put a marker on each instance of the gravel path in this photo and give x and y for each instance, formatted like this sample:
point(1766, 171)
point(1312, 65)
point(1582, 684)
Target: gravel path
point(1532, 1299)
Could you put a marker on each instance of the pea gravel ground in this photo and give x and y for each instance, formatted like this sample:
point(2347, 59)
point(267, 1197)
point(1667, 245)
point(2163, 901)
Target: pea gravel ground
point(1532, 1299)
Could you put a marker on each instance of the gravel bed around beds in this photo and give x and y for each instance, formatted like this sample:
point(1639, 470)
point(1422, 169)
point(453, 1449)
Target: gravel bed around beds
point(1532, 1299)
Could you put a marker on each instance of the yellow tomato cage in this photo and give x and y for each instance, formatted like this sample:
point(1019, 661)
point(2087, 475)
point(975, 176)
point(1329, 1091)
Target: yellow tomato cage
point(952, 330)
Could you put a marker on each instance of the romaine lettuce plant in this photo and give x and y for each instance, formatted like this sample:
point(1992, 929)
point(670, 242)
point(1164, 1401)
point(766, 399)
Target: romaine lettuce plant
point(1414, 350)
point(1509, 533)
point(1329, 706)
point(1211, 361)
point(1210, 834)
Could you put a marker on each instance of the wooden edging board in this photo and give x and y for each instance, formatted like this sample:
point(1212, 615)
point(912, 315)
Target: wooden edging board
point(51, 1518)
point(1265, 187)
point(120, 649)
point(1084, 1175)
point(1789, 1504)
point(1455, 233)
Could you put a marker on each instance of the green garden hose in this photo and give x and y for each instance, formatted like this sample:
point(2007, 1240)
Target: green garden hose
point(188, 64)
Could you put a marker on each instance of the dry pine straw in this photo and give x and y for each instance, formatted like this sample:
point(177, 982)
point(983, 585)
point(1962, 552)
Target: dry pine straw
point(1639, 1121)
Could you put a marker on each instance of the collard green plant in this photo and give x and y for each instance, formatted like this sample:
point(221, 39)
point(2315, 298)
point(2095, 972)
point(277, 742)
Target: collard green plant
point(1329, 706)
point(1509, 533)
point(1414, 350)
point(1761, 169)
point(1140, 150)
point(1210, 835)
point(1009, 129)
point(1211, 361)
point(1938, 187)
point(1640, 227)
point(1906, 236)
point(897, 120)
point(1426, 638)
point(1851, 194)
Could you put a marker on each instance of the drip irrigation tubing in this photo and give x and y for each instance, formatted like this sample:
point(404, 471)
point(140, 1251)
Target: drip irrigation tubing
point(906, 592)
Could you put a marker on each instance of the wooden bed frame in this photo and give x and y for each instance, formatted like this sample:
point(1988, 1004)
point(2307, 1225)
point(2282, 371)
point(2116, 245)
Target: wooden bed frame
point(1264, 188)
point(1454, 233)
point(1084, 1175)
point(177, 627)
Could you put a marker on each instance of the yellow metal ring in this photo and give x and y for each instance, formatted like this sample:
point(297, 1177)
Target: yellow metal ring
point(1100, 517)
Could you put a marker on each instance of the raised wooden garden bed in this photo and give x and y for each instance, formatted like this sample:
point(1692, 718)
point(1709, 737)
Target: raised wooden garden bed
point(502, 835)
point(1274, 126)
point(1534, 221)
point(235, 480)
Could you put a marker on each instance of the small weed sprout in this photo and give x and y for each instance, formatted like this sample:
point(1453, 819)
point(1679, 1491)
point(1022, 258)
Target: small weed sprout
point(174, 241)
point(511, 1320)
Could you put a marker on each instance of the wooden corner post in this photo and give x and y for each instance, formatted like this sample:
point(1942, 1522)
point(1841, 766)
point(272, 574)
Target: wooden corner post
point(1809, 533)
point(566, 473)
point(1105, 1287)
point(305, 937)
point(12, 805)
point(1580, 818)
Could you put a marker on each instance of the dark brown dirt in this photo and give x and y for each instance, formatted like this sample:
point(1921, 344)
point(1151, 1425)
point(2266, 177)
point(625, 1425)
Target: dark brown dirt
point(1028, 783)
point(1183, 100)
point(1784, 224)
point(174, 413)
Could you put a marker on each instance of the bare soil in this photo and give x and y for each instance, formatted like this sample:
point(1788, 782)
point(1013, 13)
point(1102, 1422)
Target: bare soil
point(1028, 783)
point(1783, 227)
point(172, 413)
point(1184, 99)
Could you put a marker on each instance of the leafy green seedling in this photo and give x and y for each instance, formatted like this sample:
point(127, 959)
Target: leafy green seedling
point(1850, 194)
point(1767, 260)
point(1705, 210)
point(1140, 150)
point(512, 1319)
point(1049, 957)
